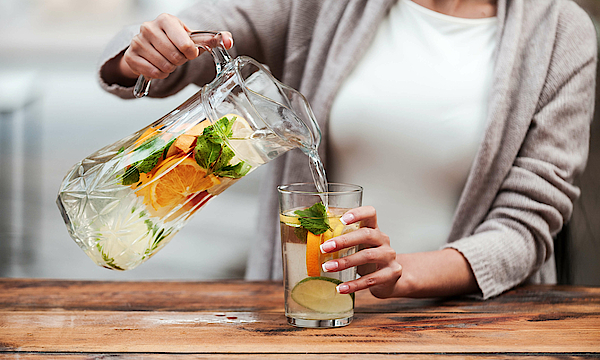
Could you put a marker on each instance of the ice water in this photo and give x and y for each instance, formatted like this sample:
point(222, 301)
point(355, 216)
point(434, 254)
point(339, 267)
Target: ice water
point(310, 292)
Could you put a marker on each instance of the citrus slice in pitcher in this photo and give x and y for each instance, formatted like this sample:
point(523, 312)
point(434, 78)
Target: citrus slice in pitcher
point(319, 294)
point(174, 184)
point(242, 142)
point(240, 127)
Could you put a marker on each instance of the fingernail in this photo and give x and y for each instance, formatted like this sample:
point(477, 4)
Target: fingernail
point(342, 288)
point(330, 265)
point(327, 246)
point(347, 218)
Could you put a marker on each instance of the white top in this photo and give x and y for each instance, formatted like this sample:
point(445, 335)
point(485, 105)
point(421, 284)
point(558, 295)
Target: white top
point(407, 122)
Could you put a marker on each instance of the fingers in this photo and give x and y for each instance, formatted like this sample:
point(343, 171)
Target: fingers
point(367, 237)
point(227, 39)
point(376, 259)
point(380, 283)
point(381, 255)
point(162, 45)
point(366, 215)
point(143, 58)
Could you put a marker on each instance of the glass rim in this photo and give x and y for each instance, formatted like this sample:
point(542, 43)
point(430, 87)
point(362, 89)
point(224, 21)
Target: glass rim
point(344, 189)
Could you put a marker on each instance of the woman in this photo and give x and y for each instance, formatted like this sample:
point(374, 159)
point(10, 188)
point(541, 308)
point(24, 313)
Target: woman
point(533, 107)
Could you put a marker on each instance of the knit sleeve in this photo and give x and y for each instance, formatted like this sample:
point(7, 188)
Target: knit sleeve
point(258, 29)
point(536, 197)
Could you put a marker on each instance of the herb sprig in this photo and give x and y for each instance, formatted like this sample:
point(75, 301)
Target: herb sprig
point(213, 154)
point(146, 165)
point(110, 262)
point(314, 219)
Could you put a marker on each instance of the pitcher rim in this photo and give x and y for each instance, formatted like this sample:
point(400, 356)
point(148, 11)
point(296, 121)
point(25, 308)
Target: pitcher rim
point(345, 188)
point(316, 138)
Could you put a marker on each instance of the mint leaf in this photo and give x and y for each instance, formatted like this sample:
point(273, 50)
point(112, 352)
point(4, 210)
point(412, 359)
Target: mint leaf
point(166, 148)
point(213, 154)
point(236, 171)
point(150, 143)
point(206, 152)
point(224, 125)
point(110, 262)
point(314, 219)
point(146, 165)
point(301, 233)
point(226, 155)
point(131, 176)
point(211, 135)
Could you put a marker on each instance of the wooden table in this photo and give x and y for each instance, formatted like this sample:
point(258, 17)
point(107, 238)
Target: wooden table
point(183, 320)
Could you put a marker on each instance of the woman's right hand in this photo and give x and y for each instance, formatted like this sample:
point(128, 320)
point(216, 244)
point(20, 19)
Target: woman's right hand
point(376, 261)
point(161, 46)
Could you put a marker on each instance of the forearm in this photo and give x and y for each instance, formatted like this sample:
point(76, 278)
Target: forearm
point(435, 274)
point(116, 71)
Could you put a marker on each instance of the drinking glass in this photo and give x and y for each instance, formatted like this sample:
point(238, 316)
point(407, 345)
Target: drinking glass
point(311, 297)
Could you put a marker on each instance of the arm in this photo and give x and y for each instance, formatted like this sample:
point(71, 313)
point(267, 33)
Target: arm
point(260, 35)
point(427, 274)
point(160, 47)
point(534, 201)
point(537, 194)
point(435, 274)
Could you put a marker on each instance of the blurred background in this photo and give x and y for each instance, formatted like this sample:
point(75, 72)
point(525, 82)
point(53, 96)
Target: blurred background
point(53, 113)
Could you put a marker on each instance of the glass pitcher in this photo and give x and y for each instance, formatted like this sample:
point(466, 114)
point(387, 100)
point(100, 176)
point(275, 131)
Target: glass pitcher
point(125, 202)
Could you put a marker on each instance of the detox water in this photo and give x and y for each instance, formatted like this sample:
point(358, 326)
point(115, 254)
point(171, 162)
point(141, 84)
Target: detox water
point(125, 202)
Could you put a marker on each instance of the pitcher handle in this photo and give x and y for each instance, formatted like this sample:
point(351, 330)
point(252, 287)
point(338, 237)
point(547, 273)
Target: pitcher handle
point(211, 41)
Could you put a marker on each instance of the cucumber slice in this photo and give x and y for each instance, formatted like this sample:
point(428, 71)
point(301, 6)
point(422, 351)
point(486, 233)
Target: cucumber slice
point(319, 294)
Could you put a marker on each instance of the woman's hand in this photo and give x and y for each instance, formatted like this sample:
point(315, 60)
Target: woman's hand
point(160, 47)
point(376, 260)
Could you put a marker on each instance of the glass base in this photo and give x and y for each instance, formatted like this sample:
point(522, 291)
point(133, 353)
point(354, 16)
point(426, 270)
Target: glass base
point(319, 324)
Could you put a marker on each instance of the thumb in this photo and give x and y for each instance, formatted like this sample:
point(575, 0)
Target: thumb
point(227, 39)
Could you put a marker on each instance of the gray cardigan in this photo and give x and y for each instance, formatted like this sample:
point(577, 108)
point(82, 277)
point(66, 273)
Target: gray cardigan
point(520, 190)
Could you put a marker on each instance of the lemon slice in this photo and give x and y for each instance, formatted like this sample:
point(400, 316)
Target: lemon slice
point(240, 128)
point(242, 142)
point(289, 220)
point(319, 294)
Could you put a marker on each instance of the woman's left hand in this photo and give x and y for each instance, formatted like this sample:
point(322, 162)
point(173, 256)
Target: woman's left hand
point(376, 260)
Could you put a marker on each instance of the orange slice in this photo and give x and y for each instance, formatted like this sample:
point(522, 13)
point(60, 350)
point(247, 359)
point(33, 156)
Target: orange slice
point(184, 144)
point(172, 185)
point(147, 134)
point(198, 129)
point(313, 254)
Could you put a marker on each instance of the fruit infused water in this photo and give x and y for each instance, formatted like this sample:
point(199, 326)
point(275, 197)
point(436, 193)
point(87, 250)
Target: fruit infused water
point(311, 297)
point(136, 194)
point(124, 202)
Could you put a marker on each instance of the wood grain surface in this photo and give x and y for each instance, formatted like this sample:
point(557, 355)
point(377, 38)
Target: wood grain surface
point(157, 320)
